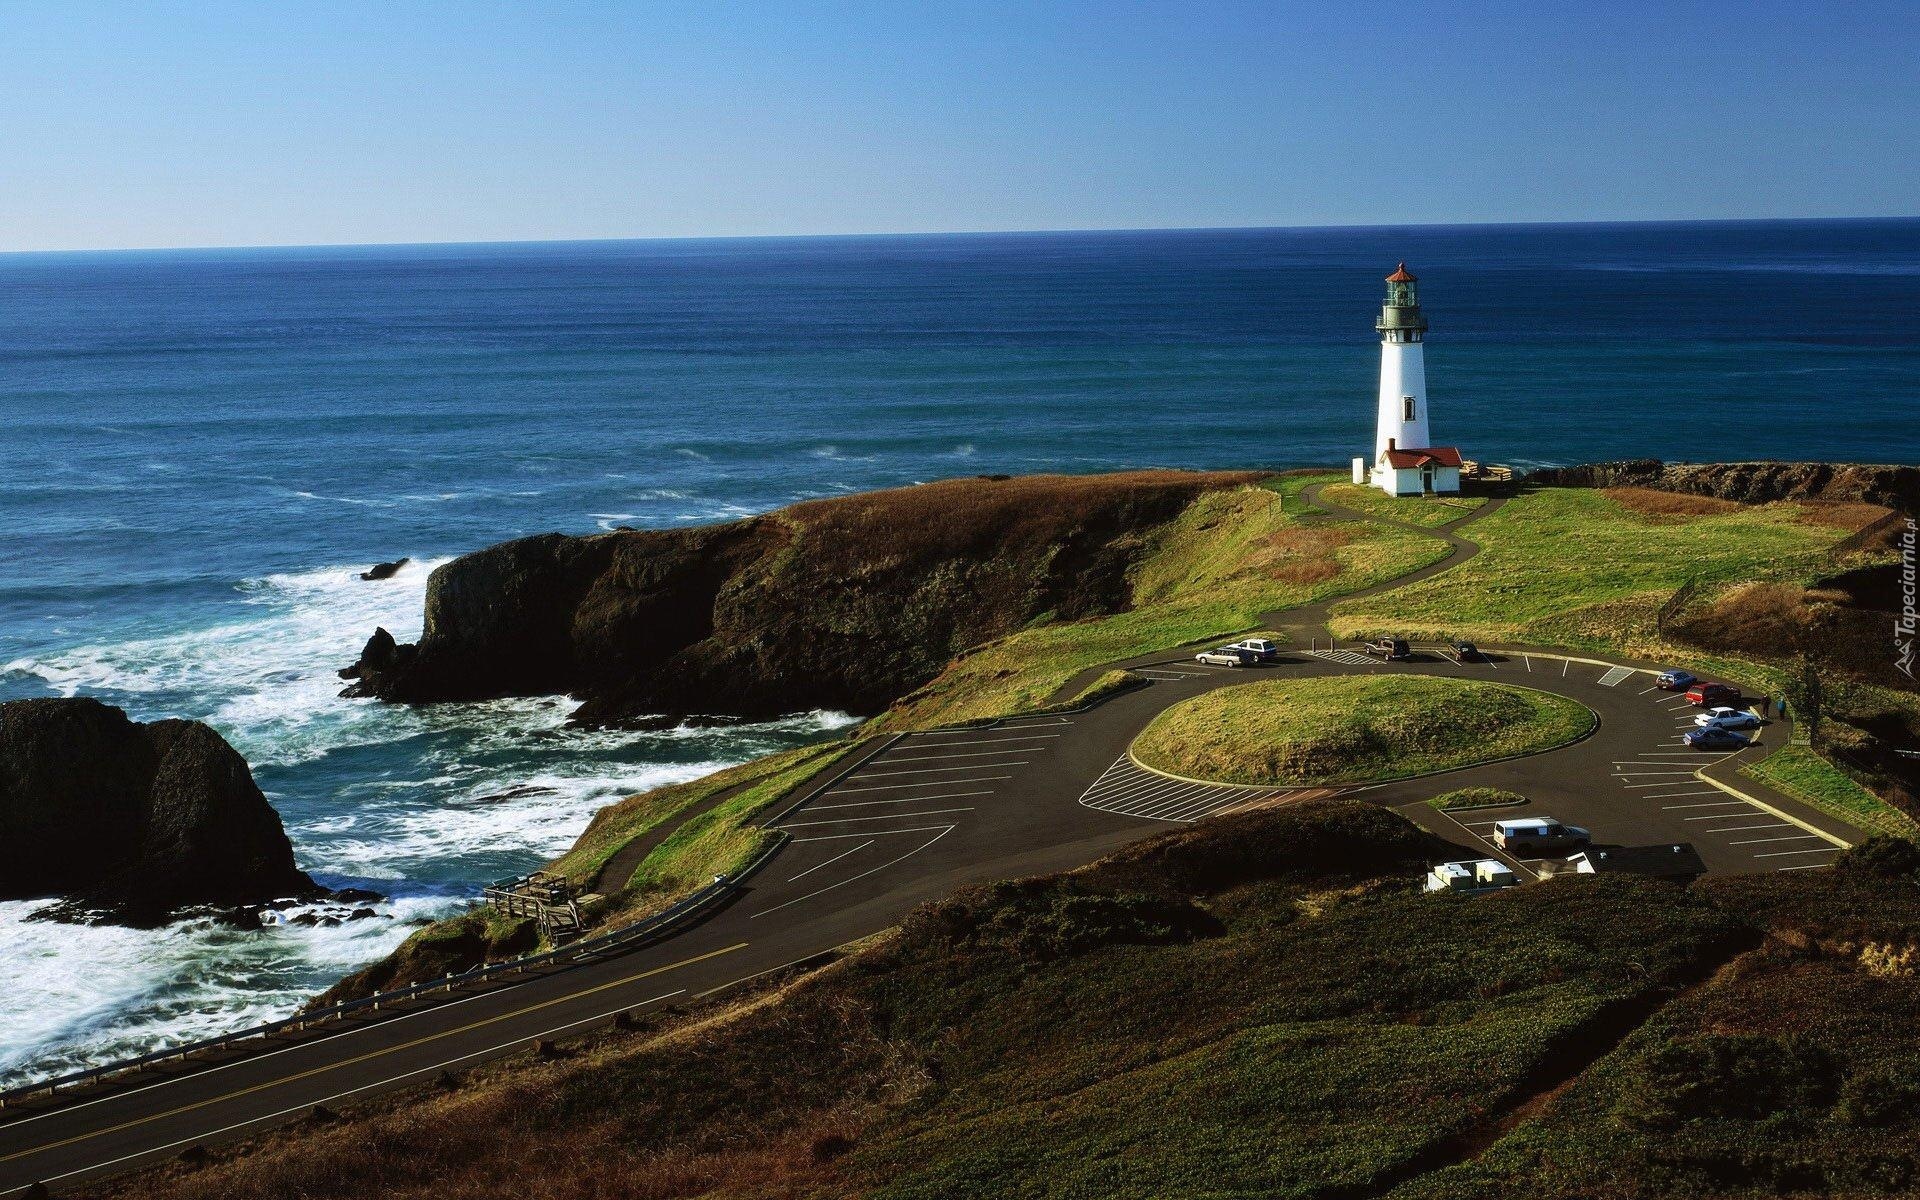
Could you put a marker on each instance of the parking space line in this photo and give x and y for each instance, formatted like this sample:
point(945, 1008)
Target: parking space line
point(1702, 804)
point(938, 757)
point(1730, 816)
point(1785, 853)
point(894, 787)
point(1745, 828)
point(867, 833)
point(932, 812)
point(943, 770)
point(901, 800)
point(994, 741)
point(1566, 664)
point(1798, 837)
point(836, 858)
point(1645, 690)
point(1804, 867)
point(1201, 797)
point(1529, 659)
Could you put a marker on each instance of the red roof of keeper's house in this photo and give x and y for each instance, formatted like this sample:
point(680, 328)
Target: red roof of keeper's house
point(1438, 456)
point(1402, 275)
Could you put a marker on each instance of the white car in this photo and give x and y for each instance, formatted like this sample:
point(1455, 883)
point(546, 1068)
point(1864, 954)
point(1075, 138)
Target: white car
point(1225, 656)
point(1727, 718)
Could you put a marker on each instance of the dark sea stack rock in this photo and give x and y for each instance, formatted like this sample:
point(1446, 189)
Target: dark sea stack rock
point(136, 818)
point(846, 603)
point(381, 656)
point(385, 570)
point(1896, 487)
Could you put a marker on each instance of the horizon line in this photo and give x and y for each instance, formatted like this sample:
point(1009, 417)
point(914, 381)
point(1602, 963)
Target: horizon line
point(929, 233)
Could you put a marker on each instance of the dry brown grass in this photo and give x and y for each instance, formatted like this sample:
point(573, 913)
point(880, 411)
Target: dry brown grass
point(1669, 507)
point(1850, 515)
point(993, 516)
point(1307, 570)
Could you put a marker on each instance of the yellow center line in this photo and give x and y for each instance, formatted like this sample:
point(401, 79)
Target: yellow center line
point(372, 1054)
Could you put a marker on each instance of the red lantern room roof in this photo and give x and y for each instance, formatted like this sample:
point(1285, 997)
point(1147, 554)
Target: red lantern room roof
point(1402, 275)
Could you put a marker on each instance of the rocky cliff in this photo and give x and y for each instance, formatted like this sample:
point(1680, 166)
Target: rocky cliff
point(845, 603)
point(1750, 482)
point(137, 818)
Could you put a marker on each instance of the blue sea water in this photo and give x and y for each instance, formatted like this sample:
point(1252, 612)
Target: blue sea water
point(199, 448)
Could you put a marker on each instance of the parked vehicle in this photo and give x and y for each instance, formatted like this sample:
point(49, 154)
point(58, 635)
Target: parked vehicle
point(1226, 656)
point(1715, 738)
point(1708, 695)
point(1262, 649)
point(1539, 835)
point(1389, 648)
point(1471, 878)
point(1466, 651)
point(1676, 680)
point(1727, 718)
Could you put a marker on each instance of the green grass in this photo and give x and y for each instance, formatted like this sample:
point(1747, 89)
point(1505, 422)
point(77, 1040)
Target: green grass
point(1468, 798)
point(636, 816)
point(1353, 730)
point(1574, 567)
point(1232, 557)
point(1292, 484)
point(1804, 775)
point(1427, 511)
point(721, 840)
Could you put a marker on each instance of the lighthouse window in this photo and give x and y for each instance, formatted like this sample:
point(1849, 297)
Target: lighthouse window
point(1407, 401)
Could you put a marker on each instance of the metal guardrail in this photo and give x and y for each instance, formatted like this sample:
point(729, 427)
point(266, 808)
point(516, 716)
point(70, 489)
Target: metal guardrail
point(627, 937)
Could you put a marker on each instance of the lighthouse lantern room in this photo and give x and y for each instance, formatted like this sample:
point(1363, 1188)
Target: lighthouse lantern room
point(1405, 462)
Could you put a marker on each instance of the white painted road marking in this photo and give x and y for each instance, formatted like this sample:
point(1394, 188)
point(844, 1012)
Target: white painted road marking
point(1614, 676)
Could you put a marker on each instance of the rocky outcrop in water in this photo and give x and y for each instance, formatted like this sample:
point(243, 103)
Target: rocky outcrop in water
point(136, 819)
point(1749, 482)
point(845, 603)
point(385, 570)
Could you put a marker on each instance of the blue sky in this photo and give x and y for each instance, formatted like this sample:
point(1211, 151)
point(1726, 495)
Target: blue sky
point(158, 124)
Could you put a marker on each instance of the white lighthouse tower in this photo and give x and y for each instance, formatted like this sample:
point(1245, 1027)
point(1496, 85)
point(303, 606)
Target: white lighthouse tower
point(1405, 461)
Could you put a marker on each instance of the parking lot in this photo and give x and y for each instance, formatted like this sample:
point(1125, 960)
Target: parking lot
point(1650, 788)
point(913, 794)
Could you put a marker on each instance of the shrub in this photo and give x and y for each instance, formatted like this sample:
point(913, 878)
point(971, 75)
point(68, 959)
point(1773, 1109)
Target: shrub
point(1739, 1076)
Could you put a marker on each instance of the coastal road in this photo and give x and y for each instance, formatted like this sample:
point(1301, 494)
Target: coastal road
point(922, 815)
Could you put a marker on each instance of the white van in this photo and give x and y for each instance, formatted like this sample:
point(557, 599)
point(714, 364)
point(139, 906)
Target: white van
point(1538, 835)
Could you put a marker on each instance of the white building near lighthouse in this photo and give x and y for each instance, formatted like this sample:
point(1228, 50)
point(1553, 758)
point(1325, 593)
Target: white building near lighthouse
point(1405, 460)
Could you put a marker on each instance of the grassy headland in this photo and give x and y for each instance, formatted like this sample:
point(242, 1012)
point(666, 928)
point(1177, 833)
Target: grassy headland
point(1580, 568)
point(1232, 556)
point(1356, 729)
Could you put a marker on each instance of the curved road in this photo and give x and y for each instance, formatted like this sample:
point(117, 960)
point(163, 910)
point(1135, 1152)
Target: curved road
point(922, 815)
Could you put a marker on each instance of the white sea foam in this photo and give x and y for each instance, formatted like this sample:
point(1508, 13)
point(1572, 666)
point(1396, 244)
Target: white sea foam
point(81, 995)
point(427, 803)
point(268, 682)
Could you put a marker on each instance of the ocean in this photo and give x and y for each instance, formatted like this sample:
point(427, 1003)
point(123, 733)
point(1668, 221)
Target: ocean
point(200, 449)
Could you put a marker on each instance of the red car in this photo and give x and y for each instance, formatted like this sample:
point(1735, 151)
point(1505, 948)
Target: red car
point(1708, 695)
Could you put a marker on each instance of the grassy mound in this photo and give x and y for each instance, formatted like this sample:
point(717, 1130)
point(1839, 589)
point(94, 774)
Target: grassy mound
point(1353, 730)
point(1467, 798)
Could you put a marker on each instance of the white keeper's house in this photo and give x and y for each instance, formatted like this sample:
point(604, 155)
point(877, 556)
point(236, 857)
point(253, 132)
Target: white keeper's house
point(1405, 460)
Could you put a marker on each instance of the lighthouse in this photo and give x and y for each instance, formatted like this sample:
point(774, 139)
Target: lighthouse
point(1405, 460)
